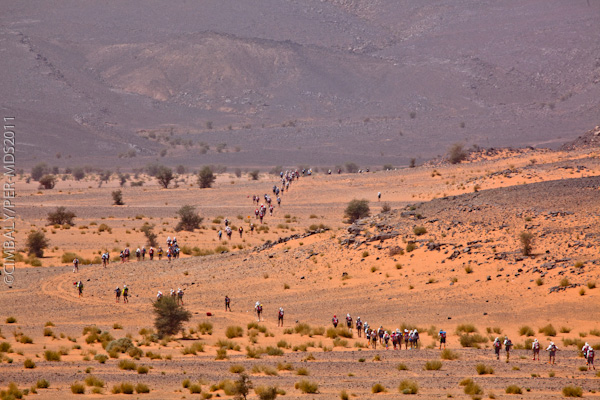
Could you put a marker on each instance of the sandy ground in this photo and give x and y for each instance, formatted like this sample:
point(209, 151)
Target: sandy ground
point(466, 269)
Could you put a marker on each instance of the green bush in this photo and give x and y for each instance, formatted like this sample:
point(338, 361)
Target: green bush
point(357, 209)
point(526, 239)
point(236, 369)
point(195, 388)
point(28, 363)
point(472, 389)
point(473, 340)
point(91, 380)
point(127, 365)
point(419, 230)
point(169, 316)
point(188, 219)
point(466, 328)
point(143, 369)
point(448, 354)
point(456, 153)
point(402, 367)
point(42, 384)
point(124, 387)
point(101, 358)
point(408, 387)
point(205, 328)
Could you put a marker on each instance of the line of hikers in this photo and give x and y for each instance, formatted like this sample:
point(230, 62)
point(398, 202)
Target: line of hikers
point(177, 295)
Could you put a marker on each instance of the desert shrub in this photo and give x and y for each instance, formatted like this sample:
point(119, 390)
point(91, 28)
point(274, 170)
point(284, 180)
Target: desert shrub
point(91, 380)
point(433, 365)
point(472, 389)
point(50, 355)
point(591, 284)
point(77, 388)
point(408, 387)
point(42, 384)
point(36, 243)
point(39, 170)
point(254, 352)
point(274, 351)
point(121, 345)
point(357, 209)
point(25, 339)
point(48, 181)
point(28, 363)
point(169, 316)
point(61, 217)
point(206, 177)
point(526, 239)
point(466, 328)
point(419, 230)
point(127, 365)
point(117, 196)
point(266, 392)
point(411, 246)
point(402, 367)
point(188, 219)
point(164, 175)
point(378, 388)
point(513, 389)
point(254, 174)
point(351, 167)
point(193, 349)
point(194, 388)
point(548, 330)
point(474, 340)
point(221, 354)
point(385, 208)
point(234, 331)
point(265, 369)
point(142, 388)
point(148, 231)
point(227, 344)
point(526, 331)
point(101, 358)
point(241, 387)
point(48, 332)
point(5, 347)
point(572, 391)
point(483, 369)
point(306, 386)
point(236, 369)
point(448, 354)
point(456, 153)
point(564, 282)
point(123, 387)
point(302, 371)
point(11, 320)
point(205, 328)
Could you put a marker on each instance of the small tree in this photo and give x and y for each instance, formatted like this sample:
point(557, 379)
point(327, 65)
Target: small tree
point(78, 173)
point(242, 387)
point(165, 176)
point(351, 167)
point(238, 172)
point(104, 176)
point(357, 209)
point(206, 177)
point(254, 174)
point(526, 242)
point(147, 229)
point(36, 243)
point(38, 171)
point(117, 196)
point(48, 181)
point(169, 316)
point(180, 169)
point(385, 208)
point(189, 220)
point(61, 216)
point(456, 153)
point(413, 163)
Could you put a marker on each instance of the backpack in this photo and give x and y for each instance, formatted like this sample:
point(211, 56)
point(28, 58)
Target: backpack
point(497, 344)
point(280, 313)
point(536, 346)
point(443, 335)
point(590, 353)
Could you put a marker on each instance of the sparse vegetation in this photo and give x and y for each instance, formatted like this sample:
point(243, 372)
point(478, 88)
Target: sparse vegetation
point(378, 388)
point(357, 209)
point(188, 219)
point(36, 243)
point(306, 386)
point(61, 217)
point(448, 354)
point(169, 316)
point(456, 153)
point(433, 365)
point(483, 369)
point(514, 389)
point(548, 330)
point(408, 387)
point(206, 177)
point(117, 196)
point(234, 331)
point(572, 391)
point(526, 239)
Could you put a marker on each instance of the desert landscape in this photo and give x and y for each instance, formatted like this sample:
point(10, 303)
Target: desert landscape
point(432, 167)
point(440, 250)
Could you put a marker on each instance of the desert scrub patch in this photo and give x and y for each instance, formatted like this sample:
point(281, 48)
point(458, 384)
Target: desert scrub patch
point(142, 388)
point(193, 349)
point(302, 371)
point(572, 391)
point(448, 354)
point(28, 363)
point(401, 367)
point(432, 365)
point(50, 355)
point(419, 230)
point(77, 388)
point(526, 331)
point(221, 354)
point(123, 387)
point(305, 386)
point(513, 389)
point(91, 380)
point(483, 369)
point(470, 387)
point(285, 367)
point(101, 358)
point(234, 332)
point(474, 340)
point(227, 344)
point(236, 369)
point(408, 387)
point(127, 365)
point(143, 369)
point(205, 328)
point(378, 388)
point(264, 369)
point(548, 330)
point(42, 384)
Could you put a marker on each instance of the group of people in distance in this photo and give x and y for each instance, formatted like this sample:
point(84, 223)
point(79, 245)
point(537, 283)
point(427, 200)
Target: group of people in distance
point(385, 338)
point(175, 294)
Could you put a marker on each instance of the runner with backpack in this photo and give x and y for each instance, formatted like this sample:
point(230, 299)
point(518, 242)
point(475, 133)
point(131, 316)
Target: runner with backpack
point(118, 294)
point(334, 321)
point(227, 303)
point(349, 321)
point(535, 346)
point(179, 296)
point(590, 358)
point(359, 326)
point(497, 347)
point(79, 286)
point(507, 346)
point(259, 308)
point(76, 264)
point(442, 336)
point(280, 317)
point(584, 350)
point(552, 349)
point(125, 294)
